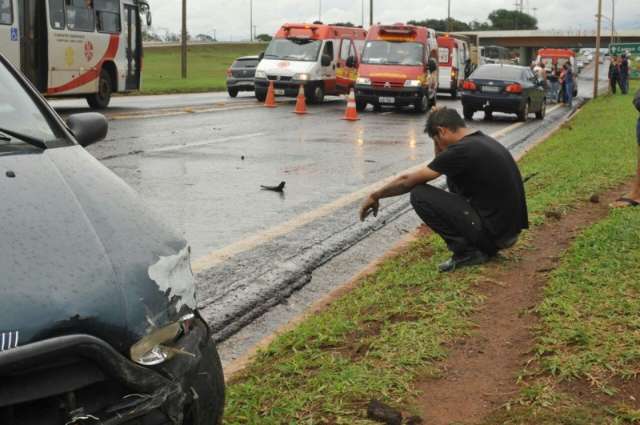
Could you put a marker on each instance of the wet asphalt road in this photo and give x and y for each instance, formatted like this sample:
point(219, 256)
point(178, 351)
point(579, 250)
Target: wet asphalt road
point(252, 248)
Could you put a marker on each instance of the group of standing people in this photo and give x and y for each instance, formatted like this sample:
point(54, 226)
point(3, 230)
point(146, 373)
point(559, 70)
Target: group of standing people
point(619, 74)
point(559, 83)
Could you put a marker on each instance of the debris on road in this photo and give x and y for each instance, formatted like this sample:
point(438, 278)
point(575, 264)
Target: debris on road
point(278, 188)
point(380, 412)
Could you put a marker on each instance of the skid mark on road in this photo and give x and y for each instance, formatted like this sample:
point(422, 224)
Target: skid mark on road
point(173, 148)
point(223, 254)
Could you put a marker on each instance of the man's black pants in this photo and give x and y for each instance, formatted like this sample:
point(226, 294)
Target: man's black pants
point(452, 217)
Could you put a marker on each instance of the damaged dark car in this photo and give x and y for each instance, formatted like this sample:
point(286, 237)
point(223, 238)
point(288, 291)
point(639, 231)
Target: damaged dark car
point(98, 316)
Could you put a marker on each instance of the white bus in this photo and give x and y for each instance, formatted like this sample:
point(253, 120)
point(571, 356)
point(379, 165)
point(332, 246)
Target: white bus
point(80, 48)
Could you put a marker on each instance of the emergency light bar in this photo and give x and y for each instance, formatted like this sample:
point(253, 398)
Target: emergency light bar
point(397, 30)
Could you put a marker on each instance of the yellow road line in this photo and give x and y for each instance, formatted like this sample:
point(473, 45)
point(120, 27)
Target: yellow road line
point(223, 254)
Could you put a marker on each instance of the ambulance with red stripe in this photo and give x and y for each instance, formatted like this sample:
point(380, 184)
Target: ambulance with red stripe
point(80, 48)
point(322, 58)
point(399, 68)
point(454, 60)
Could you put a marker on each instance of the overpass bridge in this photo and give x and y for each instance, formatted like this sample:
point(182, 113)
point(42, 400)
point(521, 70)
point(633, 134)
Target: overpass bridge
point(530, 40)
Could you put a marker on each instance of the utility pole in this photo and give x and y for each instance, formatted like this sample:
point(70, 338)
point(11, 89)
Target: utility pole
point(613, 21)
point(362, 10)
point(320, 10)
point(449, 16)
point(184, 39)
point(371, 12)
point(596, 79)
point(251, 20)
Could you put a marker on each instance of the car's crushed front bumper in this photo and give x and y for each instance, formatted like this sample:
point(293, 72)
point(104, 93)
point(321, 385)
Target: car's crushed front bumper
point(80, 379)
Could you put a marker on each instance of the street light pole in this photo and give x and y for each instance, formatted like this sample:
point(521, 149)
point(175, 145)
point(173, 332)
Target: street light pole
point(371, 12)
point(596, 79)
point(251, 20)
point(184, 39)
point(320, 10)
point(449, 16)
point(613, 21)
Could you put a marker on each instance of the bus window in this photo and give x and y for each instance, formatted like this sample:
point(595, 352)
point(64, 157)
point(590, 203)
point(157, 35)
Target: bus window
point(56, 12)
point(108, 15)
point(6, 12)
point(80, 15)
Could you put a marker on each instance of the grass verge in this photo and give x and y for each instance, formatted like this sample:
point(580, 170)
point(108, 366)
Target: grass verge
point(207, 66)
point(375, 341)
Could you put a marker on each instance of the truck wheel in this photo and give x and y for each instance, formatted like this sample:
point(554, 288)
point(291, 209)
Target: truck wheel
point(361, 105)
point(468, 113)
point(261, 95)
point(318, 95)
point(422, 105)
point(101, 99)
point(233, 92)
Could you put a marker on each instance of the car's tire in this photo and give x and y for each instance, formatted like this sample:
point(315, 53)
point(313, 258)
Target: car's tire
point(488, 115)
point(317, 96)
point(468, 113)
point(543, 111)
point(261, 95)
point(523, 113)
point(232, 92)
point(208, 408)
point(361, 105)
point(422, 105)
point(101, 99)
point(377, 107)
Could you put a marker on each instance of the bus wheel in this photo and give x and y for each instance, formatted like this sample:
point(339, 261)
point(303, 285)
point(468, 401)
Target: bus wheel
point(101, 99)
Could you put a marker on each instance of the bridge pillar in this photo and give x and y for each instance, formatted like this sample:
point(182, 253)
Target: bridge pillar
point(526, 55)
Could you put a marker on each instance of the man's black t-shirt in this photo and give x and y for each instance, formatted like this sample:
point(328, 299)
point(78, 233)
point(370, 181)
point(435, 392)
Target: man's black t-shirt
point(484, 172)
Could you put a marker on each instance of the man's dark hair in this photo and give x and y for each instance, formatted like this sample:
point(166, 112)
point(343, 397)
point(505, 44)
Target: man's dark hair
point(445, 118)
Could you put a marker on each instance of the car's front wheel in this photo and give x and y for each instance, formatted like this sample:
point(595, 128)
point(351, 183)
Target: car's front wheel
point(208, 407)
point(232, 92)
point(317, 97)
point(422, 104)
point(361, 105)
point(261, 95)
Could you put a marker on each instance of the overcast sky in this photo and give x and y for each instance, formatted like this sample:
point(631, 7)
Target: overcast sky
point(230, 18)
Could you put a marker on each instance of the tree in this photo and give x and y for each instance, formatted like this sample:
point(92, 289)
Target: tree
point(503, 19)
point(441, 24)
point(148, 35)
point(479, 26)
point(264, 38)
point(204, 37)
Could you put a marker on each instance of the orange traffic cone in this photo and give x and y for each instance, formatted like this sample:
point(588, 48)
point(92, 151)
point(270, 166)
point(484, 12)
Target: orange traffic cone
point(351, 113)
point(270, 102)
point(301, 102)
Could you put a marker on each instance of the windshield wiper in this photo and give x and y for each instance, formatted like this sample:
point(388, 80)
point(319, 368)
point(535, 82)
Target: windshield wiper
point(23, 137)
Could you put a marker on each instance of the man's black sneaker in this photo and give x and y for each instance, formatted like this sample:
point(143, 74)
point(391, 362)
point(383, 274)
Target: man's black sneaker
point(469, 259)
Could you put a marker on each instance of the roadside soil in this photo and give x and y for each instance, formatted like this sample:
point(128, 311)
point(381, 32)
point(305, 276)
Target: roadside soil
point(481, 370)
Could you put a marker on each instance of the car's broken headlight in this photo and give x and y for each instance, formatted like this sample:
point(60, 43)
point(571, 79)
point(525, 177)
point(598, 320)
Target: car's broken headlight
point(156, 347)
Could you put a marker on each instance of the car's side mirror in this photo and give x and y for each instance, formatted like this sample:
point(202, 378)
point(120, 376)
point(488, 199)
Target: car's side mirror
point(351, 62)
point(326, 60)
point(88, 128)
point(149, 18)
point(261, 56)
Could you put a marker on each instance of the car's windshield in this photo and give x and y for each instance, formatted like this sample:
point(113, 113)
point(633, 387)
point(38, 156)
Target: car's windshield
point(498, 72)
point(293, 49)
point(19, 116)
point(392, 53)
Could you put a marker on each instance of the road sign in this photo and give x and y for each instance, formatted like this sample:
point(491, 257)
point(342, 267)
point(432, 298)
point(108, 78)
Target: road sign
point(633, 53)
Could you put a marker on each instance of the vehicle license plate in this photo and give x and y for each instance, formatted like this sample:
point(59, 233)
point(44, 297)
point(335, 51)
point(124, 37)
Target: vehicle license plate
point(279, 92)
point(387, 100)
point(490, 89)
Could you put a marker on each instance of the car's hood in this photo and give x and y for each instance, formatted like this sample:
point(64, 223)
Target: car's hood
point(285, 68)
point(79, 253)
point(391, 73)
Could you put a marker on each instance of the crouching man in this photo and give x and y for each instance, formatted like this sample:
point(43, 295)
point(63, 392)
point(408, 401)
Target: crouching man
point(484, 210)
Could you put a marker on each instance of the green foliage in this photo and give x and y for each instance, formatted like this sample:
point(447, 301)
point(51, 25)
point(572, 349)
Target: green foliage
point(503, 19)
point(265, 38)
point(442, 24)
point(207, 66)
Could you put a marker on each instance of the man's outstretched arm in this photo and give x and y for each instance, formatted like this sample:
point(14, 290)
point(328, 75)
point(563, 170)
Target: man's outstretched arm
point(400, 186)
